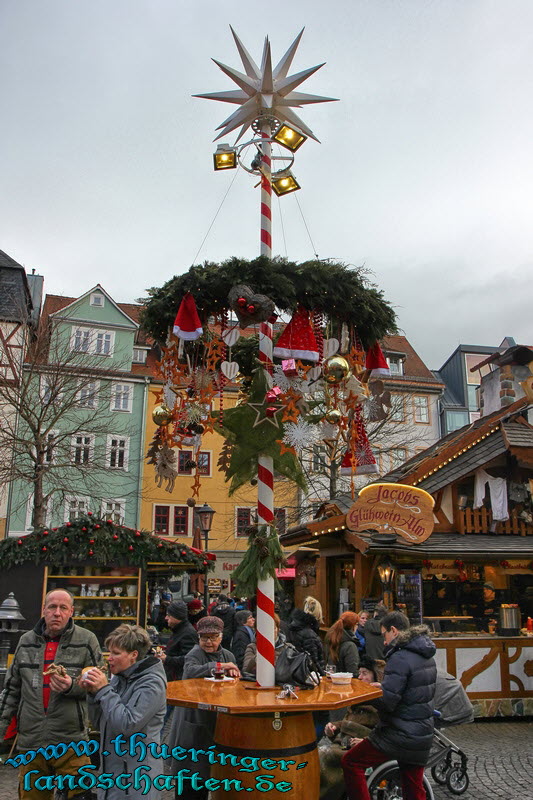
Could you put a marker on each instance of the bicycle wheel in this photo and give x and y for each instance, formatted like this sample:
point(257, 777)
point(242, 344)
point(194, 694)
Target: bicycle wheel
point(385, 784)
point(440, 771)
point(457, 780)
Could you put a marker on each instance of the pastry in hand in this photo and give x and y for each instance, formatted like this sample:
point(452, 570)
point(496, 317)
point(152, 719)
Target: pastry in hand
point(56, 669)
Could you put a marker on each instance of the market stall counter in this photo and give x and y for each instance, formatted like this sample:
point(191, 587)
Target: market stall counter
point(255, 722)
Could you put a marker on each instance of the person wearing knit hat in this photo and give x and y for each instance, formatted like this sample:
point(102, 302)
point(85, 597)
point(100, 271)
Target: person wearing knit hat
point(183, 639)
point(196, 611)
point(193, 727)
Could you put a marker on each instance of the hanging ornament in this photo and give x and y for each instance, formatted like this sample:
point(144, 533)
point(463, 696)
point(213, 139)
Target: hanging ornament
point(45, 533)
point(290, 370)
point(375, 362)
point(97, 527)
point(137, 533)
point(115, 537)
point(91, 541)
point(161, 415)
point(249, 307)
point(379, 403)
point(19, 541)
point(91, 553)
point(298, 339)
point(44, 548)
point(160, 544)
point(301, 435)
point(89, 513)
point(335, 370)
point(187, 325)
point(130, 547)
point(359, 458)
point(84, 530)
point(333, 416)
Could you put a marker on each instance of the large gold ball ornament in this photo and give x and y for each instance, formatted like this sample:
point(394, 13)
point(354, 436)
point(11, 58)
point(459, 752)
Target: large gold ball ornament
point(333, 416)
point(335, 370)
point(161, 415)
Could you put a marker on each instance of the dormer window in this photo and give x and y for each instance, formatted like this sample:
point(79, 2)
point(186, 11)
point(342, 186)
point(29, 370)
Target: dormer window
point(139, 355)
point(97, 299)
point(395, 365)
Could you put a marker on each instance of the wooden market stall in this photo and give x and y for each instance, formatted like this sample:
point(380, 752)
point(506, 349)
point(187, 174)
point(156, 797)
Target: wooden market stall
point(440, 580)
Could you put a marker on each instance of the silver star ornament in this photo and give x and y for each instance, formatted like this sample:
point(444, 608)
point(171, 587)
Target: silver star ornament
point(265, 91)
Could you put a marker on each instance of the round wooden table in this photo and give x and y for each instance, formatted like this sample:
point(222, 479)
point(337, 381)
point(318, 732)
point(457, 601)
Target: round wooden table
point(263, 743)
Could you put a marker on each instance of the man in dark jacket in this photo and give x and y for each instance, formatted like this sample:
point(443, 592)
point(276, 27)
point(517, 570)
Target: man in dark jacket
point(244, 634)
point(373, 637)
point(183, 639)
point(405, 728)
point(226, 613)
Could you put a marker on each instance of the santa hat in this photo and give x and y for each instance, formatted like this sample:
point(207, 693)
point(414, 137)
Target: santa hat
point(376, 361)
point(298, 339)
point(187, 324)
point(365, 463)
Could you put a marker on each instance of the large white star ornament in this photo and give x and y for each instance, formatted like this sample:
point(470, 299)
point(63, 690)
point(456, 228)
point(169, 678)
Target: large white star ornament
point(265, 92)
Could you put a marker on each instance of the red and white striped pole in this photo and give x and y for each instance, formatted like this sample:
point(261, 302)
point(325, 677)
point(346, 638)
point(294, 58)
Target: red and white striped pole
point(265, 473)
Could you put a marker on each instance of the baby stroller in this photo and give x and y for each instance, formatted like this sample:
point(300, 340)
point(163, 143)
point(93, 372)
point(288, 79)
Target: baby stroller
point(447, 762)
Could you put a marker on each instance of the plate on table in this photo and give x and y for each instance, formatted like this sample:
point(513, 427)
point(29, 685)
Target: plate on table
point(217, 680)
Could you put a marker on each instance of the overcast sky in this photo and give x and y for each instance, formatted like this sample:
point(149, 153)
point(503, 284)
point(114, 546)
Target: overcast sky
point(424, 172)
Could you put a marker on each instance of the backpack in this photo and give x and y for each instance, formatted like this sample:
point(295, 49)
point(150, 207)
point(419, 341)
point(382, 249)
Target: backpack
point(296, 668)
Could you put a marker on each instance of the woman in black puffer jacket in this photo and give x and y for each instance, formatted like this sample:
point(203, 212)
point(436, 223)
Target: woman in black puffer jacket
point(303, 634)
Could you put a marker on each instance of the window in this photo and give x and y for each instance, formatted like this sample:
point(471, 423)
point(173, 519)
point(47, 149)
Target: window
point(243, 520)
point(203, 463)
point(75, 507)
point(161, 519)
point(280, 520)
point(395, 365)
point(320, 458)
point(82, 448)
point(103, 343)
point(88, 395)
point(139, 355)
point(172, 520)
point(421, 407)
point(97, 299)
point(397, 456)
point(50, 446)
point(117, 452)
point(82, 340)
point(115, 510)
point(181, 520)
point(184, 462)
point(121, 397)
point(397, 411)
point(92, 341)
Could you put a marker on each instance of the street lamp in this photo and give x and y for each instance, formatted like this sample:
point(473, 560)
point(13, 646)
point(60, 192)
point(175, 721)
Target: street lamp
point(205, 515)
point(386, 575)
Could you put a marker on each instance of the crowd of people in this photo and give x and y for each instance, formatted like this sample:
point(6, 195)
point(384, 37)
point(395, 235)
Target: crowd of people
point(128, 695)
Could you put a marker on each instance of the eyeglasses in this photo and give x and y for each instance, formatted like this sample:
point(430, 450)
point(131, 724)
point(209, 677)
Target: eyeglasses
point(210, 637)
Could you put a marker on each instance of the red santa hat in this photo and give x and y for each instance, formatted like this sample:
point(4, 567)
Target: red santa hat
point(298, 339)
point(364, 463)
point(376, 362)
point(187, 324)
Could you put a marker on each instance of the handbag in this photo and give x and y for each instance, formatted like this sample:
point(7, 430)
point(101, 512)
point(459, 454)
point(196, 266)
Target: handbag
point(296, 668)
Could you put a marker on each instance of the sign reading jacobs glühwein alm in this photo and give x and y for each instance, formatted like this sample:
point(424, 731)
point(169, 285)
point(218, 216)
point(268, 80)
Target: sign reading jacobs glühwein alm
point(393, 508)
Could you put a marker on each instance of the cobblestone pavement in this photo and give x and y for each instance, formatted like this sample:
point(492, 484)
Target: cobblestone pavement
point(500, 763)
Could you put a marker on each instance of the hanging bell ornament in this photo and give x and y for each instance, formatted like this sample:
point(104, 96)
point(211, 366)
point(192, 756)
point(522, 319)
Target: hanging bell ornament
point(161, 415)
point(333, 416)
point(335, 370)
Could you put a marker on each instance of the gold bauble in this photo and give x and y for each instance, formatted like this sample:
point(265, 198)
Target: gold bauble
point(161, 415)
point(333, 416)
point(335, 370)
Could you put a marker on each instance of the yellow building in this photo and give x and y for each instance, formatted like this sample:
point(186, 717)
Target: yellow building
point(167, 513)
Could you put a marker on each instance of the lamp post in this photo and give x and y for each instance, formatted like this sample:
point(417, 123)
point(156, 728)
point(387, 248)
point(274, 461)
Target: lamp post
point(264, 100)
point(10, 617)
point(205, 515)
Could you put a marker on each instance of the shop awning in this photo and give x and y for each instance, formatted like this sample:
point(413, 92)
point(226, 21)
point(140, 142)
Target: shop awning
point(286, 574)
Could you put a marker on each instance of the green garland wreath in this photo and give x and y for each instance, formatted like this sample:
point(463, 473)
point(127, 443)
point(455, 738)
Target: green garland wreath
point(342, 293)
point(97, 541)
point(263, 557)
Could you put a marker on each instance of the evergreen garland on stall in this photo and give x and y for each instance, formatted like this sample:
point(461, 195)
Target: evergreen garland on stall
point(92, 540)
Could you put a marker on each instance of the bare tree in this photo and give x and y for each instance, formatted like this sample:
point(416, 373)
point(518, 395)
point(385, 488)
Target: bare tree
point(54, 419)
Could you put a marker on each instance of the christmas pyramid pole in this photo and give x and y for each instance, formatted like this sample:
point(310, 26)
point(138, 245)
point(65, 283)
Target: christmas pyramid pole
point(264, 101)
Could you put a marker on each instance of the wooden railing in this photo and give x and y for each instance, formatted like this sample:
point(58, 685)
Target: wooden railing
point(479, 520)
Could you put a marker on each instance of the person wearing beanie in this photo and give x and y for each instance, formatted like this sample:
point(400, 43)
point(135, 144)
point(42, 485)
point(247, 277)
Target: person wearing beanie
point(196, 611)
point(183, 639)
point(193, 727)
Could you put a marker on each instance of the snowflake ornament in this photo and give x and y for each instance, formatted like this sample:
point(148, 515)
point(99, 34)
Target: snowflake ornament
point(300, 435)
point(169, 396)
point(286, 382)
